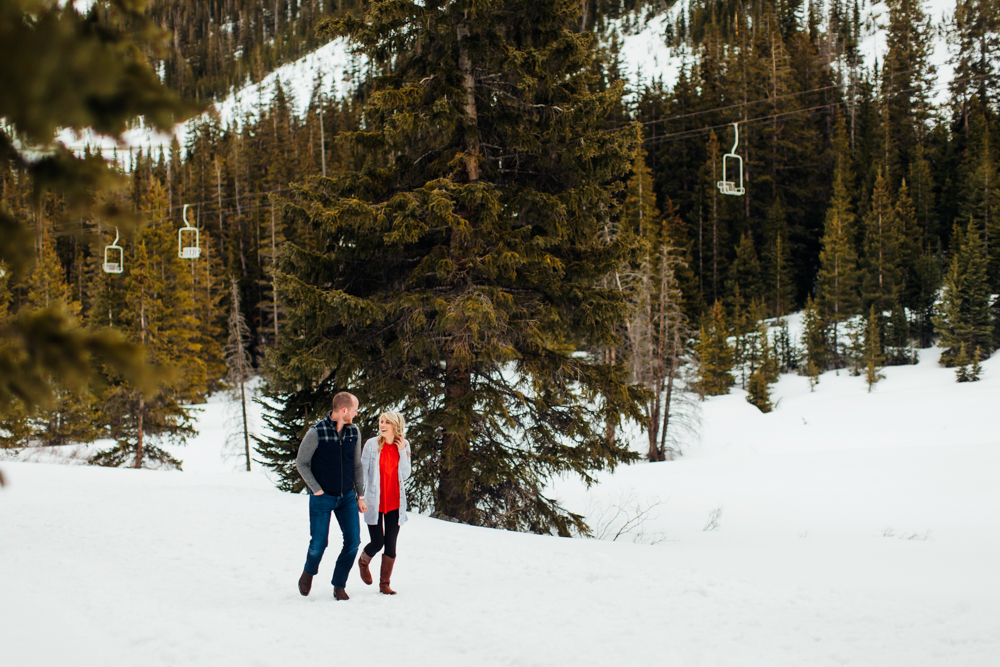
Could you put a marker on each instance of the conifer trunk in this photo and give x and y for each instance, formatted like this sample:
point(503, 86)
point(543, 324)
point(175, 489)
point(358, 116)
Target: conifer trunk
point(246, 432)
point(142, 399)
point(454, 497)
point(469, 106)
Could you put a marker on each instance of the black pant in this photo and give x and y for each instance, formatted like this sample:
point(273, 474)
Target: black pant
point(386, 538)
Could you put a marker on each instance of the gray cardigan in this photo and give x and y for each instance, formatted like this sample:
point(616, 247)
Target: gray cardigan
point(369, 467)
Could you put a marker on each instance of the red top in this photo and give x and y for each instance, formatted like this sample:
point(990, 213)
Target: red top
point(388, 470)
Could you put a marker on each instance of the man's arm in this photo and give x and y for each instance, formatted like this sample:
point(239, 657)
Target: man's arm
point(303, 462)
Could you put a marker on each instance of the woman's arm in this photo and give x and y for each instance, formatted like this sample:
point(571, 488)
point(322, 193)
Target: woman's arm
point(404, 460)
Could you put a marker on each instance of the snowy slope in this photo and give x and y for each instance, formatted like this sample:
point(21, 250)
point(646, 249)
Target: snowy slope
point(645, 58)
point(856, 528)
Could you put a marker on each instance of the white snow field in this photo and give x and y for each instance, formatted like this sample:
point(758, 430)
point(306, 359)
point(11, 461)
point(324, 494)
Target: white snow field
point(856, 529)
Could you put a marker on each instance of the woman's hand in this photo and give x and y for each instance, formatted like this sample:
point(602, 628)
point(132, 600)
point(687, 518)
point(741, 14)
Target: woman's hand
point(402, 444)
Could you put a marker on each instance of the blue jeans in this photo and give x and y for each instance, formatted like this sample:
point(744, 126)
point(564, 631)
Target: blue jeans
point(345, 507)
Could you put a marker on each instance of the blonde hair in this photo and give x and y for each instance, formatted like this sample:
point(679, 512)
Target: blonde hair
point(398, 425)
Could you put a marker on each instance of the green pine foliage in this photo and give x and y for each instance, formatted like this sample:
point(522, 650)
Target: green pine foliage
point(64, 70)
point(657, 333)
point(815, 195)
point(287, 416)
point(778, 285)
point(964, 315)
point(839, 277)
point(907, 80)
point(72, 414)
point(883, 242)
point(744, 286)
point(758, 392)
point(715, 354)
point(157, 309)
point(977, 67)
point(815, 341)
point(472, 243)
point(873, 358)
point(980, 191)
point(898, 350)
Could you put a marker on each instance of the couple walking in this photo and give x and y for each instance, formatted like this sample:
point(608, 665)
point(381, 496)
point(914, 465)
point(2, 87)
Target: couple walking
point(345, 477)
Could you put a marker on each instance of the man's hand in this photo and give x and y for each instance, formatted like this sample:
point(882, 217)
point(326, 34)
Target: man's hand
point(362, 505)
point(319, 493)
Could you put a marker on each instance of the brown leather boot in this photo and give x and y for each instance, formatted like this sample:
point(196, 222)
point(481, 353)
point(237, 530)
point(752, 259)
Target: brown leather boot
point(383, 578)
point(340, 594)
point(305, 583)
point(366, 575)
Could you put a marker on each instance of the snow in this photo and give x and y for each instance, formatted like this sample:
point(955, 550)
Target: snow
point(646, 57)
point(853, 528)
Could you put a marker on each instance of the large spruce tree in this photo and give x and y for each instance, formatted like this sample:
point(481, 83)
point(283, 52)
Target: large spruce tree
point(456, 273)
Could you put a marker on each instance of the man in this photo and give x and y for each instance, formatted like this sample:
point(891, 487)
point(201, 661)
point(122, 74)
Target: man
point(329, 461)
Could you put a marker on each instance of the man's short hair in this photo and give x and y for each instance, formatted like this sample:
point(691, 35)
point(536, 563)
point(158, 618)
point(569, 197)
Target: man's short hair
point(342, 400)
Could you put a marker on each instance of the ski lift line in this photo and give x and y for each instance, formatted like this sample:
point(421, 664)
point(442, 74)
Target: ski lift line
point(934, 87)
point(677, 136)
point(211, 211)
point(215, 201)
point(154, 222)
point(738, 106)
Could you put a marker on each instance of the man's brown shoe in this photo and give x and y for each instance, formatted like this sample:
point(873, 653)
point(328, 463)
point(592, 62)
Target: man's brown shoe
point(305, 583)
point(340, 594)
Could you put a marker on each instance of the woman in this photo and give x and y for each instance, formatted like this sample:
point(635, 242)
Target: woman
point(385, 464)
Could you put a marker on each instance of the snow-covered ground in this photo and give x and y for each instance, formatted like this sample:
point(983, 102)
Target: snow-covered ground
point(852, 528)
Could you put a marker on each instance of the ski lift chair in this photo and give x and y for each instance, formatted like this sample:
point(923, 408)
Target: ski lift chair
point(188, 239)
point(726, 186)
point(114, 257)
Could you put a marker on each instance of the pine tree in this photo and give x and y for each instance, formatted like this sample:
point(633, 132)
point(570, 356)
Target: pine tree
point(453, 267)
point(838, 280)
point(715, 355)
point(964, 316)
point(758, 393)
point(238, 361)
point(882, 249)
point(779, 288)
point(977, 60)
point(14, 427)
point(980, 179)
point(744, 282)
point(919, 272)
point(814, 340)
point(72, 414)
point(657, 333)
point(897, 338)
point(874, 359)
point(158, 313)
point(907, 79)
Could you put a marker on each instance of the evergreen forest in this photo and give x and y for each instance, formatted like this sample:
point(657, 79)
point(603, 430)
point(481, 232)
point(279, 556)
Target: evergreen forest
point(495, 233)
